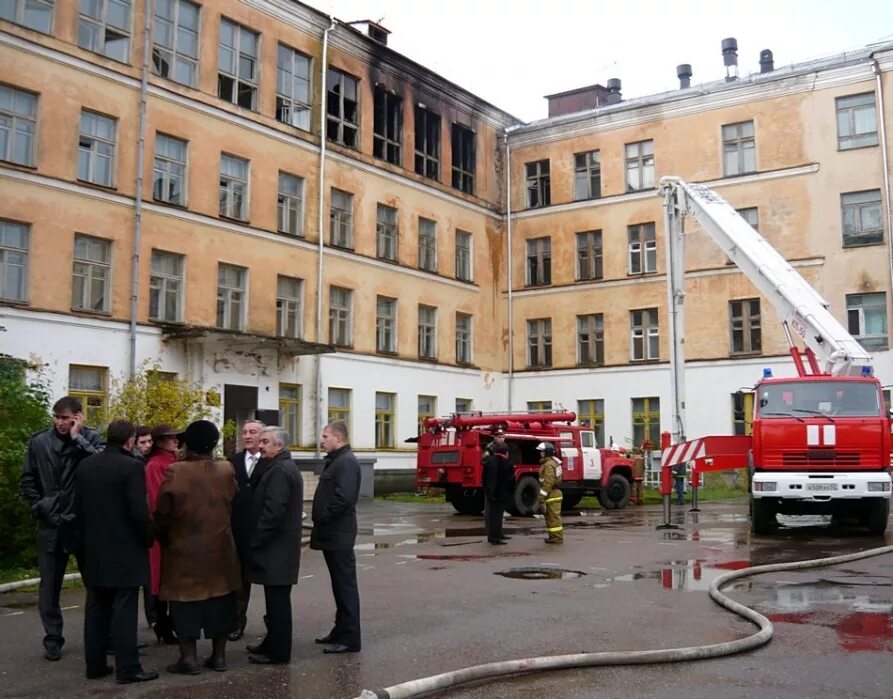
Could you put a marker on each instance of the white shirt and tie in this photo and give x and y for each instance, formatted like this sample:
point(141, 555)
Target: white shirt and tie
point(250, 462)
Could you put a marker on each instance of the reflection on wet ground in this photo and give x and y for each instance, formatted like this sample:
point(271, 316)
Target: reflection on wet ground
point(540, 573)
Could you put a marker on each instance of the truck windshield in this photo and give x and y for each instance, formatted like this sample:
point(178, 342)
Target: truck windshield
point(831, 398)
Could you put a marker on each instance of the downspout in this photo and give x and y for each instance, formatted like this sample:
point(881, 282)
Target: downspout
point(138, 204)
point(508, 257)
point(318, 417)
point(885, 156)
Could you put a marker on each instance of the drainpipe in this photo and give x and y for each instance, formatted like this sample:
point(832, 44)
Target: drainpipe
point(318, 417)
point(885, 155)
point(138, 204)
point(508, 258)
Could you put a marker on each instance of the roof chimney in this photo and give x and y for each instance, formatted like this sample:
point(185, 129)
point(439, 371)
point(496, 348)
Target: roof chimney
point(730, 58)
point(767, 64)
point(613, 91)
point(683, 72)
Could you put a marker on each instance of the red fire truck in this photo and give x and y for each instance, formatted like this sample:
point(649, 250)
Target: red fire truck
point(451, 449)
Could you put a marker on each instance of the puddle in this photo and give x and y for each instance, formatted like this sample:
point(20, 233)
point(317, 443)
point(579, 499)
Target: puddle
point(691, 574)
point(461, 557)
point(540, 574)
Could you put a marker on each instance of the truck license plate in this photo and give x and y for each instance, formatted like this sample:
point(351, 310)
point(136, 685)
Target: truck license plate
point(821, 486)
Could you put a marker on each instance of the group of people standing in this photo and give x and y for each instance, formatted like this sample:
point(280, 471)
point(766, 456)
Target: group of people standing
point(194, 531)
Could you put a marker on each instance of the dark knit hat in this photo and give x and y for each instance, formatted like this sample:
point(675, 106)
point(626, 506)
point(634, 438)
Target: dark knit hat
point(201, 436)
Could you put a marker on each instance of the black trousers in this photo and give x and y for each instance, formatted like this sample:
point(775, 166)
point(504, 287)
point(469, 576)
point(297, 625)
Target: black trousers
point(342, 565)
point(493, 510)
point(52, 570)
point(243, 597)
point(112, 612)
point(277, 644)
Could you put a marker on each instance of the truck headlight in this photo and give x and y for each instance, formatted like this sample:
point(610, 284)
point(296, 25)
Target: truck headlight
point(765, 486)
point(879, 487)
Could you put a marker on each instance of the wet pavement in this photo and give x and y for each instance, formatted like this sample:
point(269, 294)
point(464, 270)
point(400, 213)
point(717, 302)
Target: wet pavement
point(436, 596)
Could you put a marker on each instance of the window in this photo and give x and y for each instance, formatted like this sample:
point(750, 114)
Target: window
point(290, 412)
point(739, 155)
point(591, 339)
point(91, 274)
point(463, 159)
point(427, 332)
point(539, 261)
point(591, 412)
point(14, 245)
point(387, 132)
point(166, 286)
point(169, 170)
point(341, 219)
point(587, 175)
point(752, 216)
point(639, 166)
point(34, 14)
point(18, 121)
point(291, 204)
point(427, 409)
point(89, 384)
point(742, 424)
point(176, 37)
point(745, 326)
point(234, 187)
point(289, 315)
point(427, 143)
point(237, 65)
point(646, 420)
point(464, 405)
point(463, 338)
point(340, 316)
point(427, 245)
point(293, 88)
point(539, 342)
point(104, 27)
point(232, 290)
point(539, 406)
point(539, 187)
point(463, 255)
point(862, 218)
point(96, 149)
point(642, 249)
point(386, 233)
point(867, 319)
point(644, 335)
point(339, 405)
point(341, 108)
point(589, 255)
point(856, 121)
point(386, 325)
point(384, 420)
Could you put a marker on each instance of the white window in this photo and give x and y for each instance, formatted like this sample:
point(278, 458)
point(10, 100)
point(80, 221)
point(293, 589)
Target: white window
point(340, 316)
point(639, 166)
point(386, 325)
point(293, 88)
point(169, 170)
point(232, 290)
point(291, 204)
point(96, 149)
point(288, 306)
point(14, 246)
point(644, 335)
point(642, 249)
point(234, 187)
point(166, 287)
point(867, 319)
point(91, 274)
point(463, 338)
point(34, 14)
point(427, 245)
point(427, 332)
point(18, 121)
point(739, 155)
point(463, 256)
point(856, 121)
point(104, 28)
point(176, 40)
point(863, 223)
point(237, 64)
point(386, 233)
point(341, 219)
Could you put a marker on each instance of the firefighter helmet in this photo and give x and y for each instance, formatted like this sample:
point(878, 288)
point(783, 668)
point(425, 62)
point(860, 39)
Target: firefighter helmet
point(546, 447)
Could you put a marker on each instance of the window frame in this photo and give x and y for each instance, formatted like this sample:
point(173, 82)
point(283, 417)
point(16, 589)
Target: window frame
point(587, 175)
point(98, 42)
point(464, 338)
point(94, 414)
point(8, 249)
point(639, 162)
point(427, 332)
point(537, 175)
point(871, 137)
point(239, 83)
point(427, 244)
point(738, 148)
point(289, 109)
point(387, 233)
point(591, 339)
point(464, 161)
point(289, 307)
point(93, 148)
point(642, 251)
point(16, 121)
point(341, 218)
point(339, 124)
point(386, 319)
point(644, 326)
point(89, 267)
point(290, 412)
point(163, 284)
point(539, 343)
point(861, 238)
point(230, 296)
point(233, 186)
point(427, 142)
point(592, 411)
point(464, 255)
point(20, 15)
point(590, 256)
point(425, 411)
point(870, 341)
point(645, 420)
point(745, 326)
point(539, 261)
point(387, 127)
point(339, 412)
point(164, 169)
point(385, 419)
point(175, 56)
point(340, 316)
point(290, 206)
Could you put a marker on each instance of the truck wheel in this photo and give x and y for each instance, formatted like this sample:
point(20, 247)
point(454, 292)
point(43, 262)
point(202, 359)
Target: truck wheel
point(570, 500)
point(466, 501)
point(615, 493)
point(526, 498)
point(762, 517)
point(877, 515)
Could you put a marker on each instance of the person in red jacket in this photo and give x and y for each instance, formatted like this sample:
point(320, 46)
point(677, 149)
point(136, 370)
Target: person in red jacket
point(165, 451)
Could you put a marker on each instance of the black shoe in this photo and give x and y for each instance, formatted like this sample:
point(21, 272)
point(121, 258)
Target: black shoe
point(262, 659)
point(325, 640)
point(553, 541)
point(237, 635)
point(53, 653)
point(341, 648)
point(498, 542)
point(142, 676)
point(98, 675)
point(182, 667)
point(215, 663)
point(257, 648)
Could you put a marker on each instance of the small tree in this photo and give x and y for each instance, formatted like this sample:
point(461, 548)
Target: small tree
point(24, 409)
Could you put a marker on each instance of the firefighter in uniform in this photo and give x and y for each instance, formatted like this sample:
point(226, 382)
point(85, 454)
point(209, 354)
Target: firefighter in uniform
point(550, 495)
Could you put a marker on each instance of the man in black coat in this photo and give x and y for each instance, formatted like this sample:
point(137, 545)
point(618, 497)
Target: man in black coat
point(110, 501)
point(249, 469)
point(47, 485)
point(275, 544)
point(335, 532)
point(498, 482)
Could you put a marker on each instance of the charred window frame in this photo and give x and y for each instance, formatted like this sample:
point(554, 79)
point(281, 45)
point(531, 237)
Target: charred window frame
point(739, 149)
point(539, 342)
point(539, 184)
point(386, 325)
point(642, 249)
point(591, 339)
point(427, 143)
point(587, 175)
point(176, 36)
point(644, 333)
point(463, 338)
point(293, 88)
point(539, 261)
point(237, 64)
point(427, 245)
point(342, 108)
point(427, 332)
point(341, 219)
point(386, 233)
point(387, 129)
point(639, 165)
point(745, 327)
point(590, 256)
point(463, 142)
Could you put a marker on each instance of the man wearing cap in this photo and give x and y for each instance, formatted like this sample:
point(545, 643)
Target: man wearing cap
point(550, 495)
point(497, 480)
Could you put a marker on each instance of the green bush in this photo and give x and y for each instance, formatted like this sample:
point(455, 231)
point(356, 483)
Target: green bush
point(24, 409)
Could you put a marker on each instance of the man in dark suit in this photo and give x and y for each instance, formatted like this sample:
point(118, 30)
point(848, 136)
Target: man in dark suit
point(249, 470)
point(335, 532)
point(110, 502)
point(276, 514)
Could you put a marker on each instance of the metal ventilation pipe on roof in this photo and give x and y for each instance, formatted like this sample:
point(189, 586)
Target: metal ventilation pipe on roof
point(767, 64)
point(730, 58)
point(683, 72)
point(613, 91)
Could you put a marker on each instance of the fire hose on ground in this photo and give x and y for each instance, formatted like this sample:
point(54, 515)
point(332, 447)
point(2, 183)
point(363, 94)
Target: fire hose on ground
point(434, 683)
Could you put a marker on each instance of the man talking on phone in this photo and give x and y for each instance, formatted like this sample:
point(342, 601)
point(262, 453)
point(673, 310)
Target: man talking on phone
point(47, 485)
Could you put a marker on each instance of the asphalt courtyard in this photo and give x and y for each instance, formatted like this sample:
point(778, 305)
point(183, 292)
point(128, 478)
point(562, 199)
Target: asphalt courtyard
point(436, 596)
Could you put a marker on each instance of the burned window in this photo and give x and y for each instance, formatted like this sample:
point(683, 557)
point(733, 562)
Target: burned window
point(539, 186)
point(388, 127)
point(237, 65)
point(427, 143)
point(463, 159)
point(342, 109)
